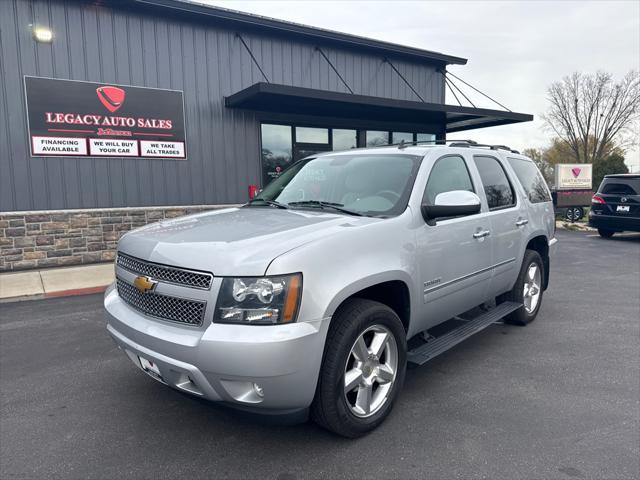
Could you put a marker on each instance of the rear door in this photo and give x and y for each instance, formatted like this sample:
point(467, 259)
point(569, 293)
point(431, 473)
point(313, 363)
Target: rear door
point(508, 218)
point(621, 196)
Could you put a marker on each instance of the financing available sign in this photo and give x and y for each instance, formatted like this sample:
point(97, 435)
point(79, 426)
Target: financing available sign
point(573, 175)
point(87, 119)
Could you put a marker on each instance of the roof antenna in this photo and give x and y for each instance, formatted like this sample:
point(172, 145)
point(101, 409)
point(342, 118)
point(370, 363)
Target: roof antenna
point(401, 145)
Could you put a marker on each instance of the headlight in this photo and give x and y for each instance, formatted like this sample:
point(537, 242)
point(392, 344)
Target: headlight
point(259, 300)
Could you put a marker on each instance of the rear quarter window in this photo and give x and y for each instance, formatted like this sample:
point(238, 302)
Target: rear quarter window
point(531, 180)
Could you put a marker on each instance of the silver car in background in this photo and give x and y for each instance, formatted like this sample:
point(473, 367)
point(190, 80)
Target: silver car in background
point(317, 293)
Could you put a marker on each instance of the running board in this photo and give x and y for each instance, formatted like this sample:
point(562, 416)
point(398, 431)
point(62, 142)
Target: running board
point(433, 348)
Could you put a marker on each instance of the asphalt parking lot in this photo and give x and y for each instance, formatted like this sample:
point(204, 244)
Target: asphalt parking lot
point(557, 399)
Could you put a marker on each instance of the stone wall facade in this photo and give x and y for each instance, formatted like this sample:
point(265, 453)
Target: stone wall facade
point(30, 240)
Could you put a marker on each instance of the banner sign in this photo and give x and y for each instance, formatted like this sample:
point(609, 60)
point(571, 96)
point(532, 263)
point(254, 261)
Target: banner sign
point(573, 175)
point(87, 119)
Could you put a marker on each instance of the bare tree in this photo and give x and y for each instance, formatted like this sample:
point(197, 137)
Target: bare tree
point(592, 112)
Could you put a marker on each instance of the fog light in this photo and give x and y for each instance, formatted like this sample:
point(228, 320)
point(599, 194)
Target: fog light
point(258, 389)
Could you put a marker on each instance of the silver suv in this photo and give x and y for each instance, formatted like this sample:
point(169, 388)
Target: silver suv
point(318, 292)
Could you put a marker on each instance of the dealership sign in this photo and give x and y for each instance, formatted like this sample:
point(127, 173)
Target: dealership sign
point(86, 119)
point(573, 175)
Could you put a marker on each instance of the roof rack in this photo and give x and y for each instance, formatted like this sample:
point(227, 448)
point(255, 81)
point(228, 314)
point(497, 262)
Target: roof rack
point(452, 143)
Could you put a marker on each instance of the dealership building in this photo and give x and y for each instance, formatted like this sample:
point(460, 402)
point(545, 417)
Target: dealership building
point(114, 114)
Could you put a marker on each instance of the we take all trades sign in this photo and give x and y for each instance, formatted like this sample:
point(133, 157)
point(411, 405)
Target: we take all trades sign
point(87, 119)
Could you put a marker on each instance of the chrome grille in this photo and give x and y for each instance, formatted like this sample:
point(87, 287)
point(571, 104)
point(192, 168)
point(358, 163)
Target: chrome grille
point(163, 307)
point(178, 276)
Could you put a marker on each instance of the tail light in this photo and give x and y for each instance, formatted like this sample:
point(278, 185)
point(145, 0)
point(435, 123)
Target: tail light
point(597, 199)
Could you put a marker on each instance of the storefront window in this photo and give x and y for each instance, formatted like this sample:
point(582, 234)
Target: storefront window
point(344, 139)
point(376, 137)
point(424, 137)
point(312, 135)
point(276, 150)
point(397, 137)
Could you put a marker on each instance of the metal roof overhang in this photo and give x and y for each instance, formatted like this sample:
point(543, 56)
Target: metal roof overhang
point(302, 31)
point(270, 97)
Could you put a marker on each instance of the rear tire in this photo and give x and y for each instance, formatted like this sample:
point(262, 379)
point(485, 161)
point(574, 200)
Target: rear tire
point(527, 290)
point(353, 397)
point(604, 233)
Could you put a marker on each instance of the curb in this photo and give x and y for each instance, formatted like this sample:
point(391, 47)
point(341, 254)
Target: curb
point(55, 282)
point(75, 292)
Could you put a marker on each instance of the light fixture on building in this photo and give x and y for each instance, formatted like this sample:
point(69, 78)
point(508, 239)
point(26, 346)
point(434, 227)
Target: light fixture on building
point(42, 34)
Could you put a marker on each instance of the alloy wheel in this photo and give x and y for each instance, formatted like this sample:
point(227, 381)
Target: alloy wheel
point(370, 371)
point(532, 288)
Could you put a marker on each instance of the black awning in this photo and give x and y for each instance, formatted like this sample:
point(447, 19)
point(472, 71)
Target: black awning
point(270, 97)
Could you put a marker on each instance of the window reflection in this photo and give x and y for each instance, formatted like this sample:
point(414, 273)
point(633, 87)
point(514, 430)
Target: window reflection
point(312, 135)
point(344, 139)
point(496, 185)
point(377, 137)
point(397, 137)
point(276, 150)
point(425, 137)
point(447, 175)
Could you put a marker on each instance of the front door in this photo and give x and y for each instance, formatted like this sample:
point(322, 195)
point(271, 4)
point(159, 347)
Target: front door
point(454, 253)
point(301, 150)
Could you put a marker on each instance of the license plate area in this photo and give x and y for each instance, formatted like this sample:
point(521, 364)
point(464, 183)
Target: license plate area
point(623, 208)
point(150, 368)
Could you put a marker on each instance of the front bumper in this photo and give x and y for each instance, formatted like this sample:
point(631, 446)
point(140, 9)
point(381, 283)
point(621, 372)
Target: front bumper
point(553, 246)
point(223, 362)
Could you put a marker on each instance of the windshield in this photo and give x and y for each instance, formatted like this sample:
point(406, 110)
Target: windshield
point(367, 184)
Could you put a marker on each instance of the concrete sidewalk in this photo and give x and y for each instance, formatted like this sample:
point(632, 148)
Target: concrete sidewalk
point(55, 282)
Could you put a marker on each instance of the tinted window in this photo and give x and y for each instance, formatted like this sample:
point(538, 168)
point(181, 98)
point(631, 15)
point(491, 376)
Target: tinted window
point(448, 174)
point(531, 179)
point(496, 185)
point(619, 186)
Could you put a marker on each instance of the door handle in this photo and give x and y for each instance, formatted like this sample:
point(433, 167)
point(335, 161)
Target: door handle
point(521, 223)
point(481, 234)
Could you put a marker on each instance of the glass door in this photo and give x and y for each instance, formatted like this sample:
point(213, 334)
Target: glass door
point(309, 140)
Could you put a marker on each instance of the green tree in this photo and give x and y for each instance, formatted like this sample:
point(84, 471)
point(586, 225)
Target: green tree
point(538, 157)
point(609, 165)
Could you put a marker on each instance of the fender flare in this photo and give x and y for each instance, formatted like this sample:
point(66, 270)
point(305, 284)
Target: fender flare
point(366, 282)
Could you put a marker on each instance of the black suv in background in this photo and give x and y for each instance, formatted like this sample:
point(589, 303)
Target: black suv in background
point(616, 205)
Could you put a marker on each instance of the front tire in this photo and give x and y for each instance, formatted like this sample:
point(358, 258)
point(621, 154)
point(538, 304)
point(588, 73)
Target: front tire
point(573, 214)
point(604, 233)
point(363, 368)
point(527, 290)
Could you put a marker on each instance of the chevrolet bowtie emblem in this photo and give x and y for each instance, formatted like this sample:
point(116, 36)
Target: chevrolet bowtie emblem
point(144, 284)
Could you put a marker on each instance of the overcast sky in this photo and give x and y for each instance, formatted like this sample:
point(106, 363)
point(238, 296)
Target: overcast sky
point(515, 48)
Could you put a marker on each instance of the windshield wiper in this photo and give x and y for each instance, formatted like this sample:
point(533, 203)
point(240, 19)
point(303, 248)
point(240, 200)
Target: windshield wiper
point(273, 203)
point(322, 204)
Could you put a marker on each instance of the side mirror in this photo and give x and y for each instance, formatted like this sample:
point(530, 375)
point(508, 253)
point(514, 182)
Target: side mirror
point(452, 204)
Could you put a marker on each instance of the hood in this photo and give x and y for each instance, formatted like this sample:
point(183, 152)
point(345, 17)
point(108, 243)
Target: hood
point(235, 241)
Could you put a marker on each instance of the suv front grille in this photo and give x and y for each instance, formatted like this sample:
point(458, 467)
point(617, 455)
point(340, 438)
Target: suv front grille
point(163, 307)
point(178, 276)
